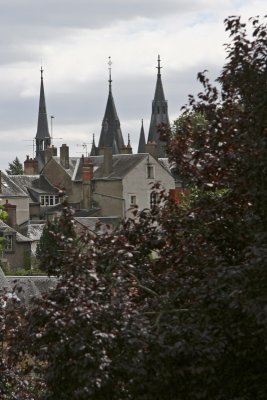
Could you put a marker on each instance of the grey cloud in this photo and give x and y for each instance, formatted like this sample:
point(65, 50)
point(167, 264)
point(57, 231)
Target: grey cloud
point(87, 13)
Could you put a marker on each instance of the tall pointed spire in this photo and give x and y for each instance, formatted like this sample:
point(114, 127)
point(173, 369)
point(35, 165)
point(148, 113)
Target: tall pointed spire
point(94, 151)
point(142, 140)
point(111, 135)
point(159, 113)
point(109, 68)
point(42, 138)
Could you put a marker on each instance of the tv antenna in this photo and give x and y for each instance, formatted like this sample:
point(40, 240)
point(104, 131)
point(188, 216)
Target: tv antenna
point(85, 147)
point(33, 143)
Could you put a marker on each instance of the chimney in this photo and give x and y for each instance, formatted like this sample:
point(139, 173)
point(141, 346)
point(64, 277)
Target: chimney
point(30, 166)
point(126, 150)
point(87, 175)
point(0, 181)
point(107, 164)
point(12, 214)
point(152, 149)
point(64, 156)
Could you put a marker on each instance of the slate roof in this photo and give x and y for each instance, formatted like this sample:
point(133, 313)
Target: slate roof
point(111, 135)
point(34, 231)
point(122, 165)
point(98, 224)
point(142, 140)
point(9, 187)
point(159, 114)
point(42, 125)
point(7, 229)
point(28, 287)
point(33, 185)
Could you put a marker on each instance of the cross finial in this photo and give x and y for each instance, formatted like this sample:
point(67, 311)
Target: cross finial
point(159, 67)
point(109, 63)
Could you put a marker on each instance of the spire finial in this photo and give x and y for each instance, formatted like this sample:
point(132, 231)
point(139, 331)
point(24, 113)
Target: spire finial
point(159, 67)
point(93, 139)
point(109, 63)
point(41, 70)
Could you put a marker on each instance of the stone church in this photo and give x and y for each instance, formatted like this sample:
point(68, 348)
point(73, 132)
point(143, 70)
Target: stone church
point(107, 185)
point(112, 179)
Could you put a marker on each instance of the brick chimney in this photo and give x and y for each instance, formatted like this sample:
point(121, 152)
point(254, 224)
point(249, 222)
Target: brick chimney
point(126, 150)
point(87, 175)
point(64, 156)
point(30, 166)
point(152, 149)
point(12, 214)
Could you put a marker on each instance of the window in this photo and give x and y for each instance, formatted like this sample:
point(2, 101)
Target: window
point(49, 200)
point(9, 242)
point(154, 199)
point(150, 171)
point(133, 200)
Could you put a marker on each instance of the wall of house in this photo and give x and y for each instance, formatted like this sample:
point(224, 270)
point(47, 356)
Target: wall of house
point(59, 178)
point(22, 210)
point(108, 196)
point(137, 183)
point(20, 257)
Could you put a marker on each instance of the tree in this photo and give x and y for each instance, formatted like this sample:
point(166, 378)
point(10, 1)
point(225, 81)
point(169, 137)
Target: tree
point(173, 304)
point(56, 235)
point(15, 167)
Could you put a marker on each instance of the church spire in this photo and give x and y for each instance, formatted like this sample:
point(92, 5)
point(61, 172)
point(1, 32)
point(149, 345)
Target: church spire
point(109, 68)
point(42, 138)
point(93, 148)
point(159, 113)
point(111, 135)
point(142, 140)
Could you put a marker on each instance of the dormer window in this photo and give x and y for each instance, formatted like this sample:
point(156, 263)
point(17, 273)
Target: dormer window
point(49, 200)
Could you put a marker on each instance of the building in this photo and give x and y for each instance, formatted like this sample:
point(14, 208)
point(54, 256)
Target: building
point(15, 248)
point(108, 184)
point(112, 180)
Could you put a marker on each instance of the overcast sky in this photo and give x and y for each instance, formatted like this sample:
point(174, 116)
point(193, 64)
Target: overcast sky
point(72, 40)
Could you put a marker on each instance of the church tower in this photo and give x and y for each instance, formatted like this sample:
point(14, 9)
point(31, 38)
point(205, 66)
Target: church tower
point(111, 135)
point(42, 138)
point(159, 114)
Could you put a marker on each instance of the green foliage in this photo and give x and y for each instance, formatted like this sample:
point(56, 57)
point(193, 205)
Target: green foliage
point(15, 167)
point(56, 236)
point(3, 214)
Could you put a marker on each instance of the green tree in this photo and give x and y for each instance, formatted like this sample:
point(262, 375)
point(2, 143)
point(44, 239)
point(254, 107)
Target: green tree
point(57, 234)
point(15, 167)
point(173, 305)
